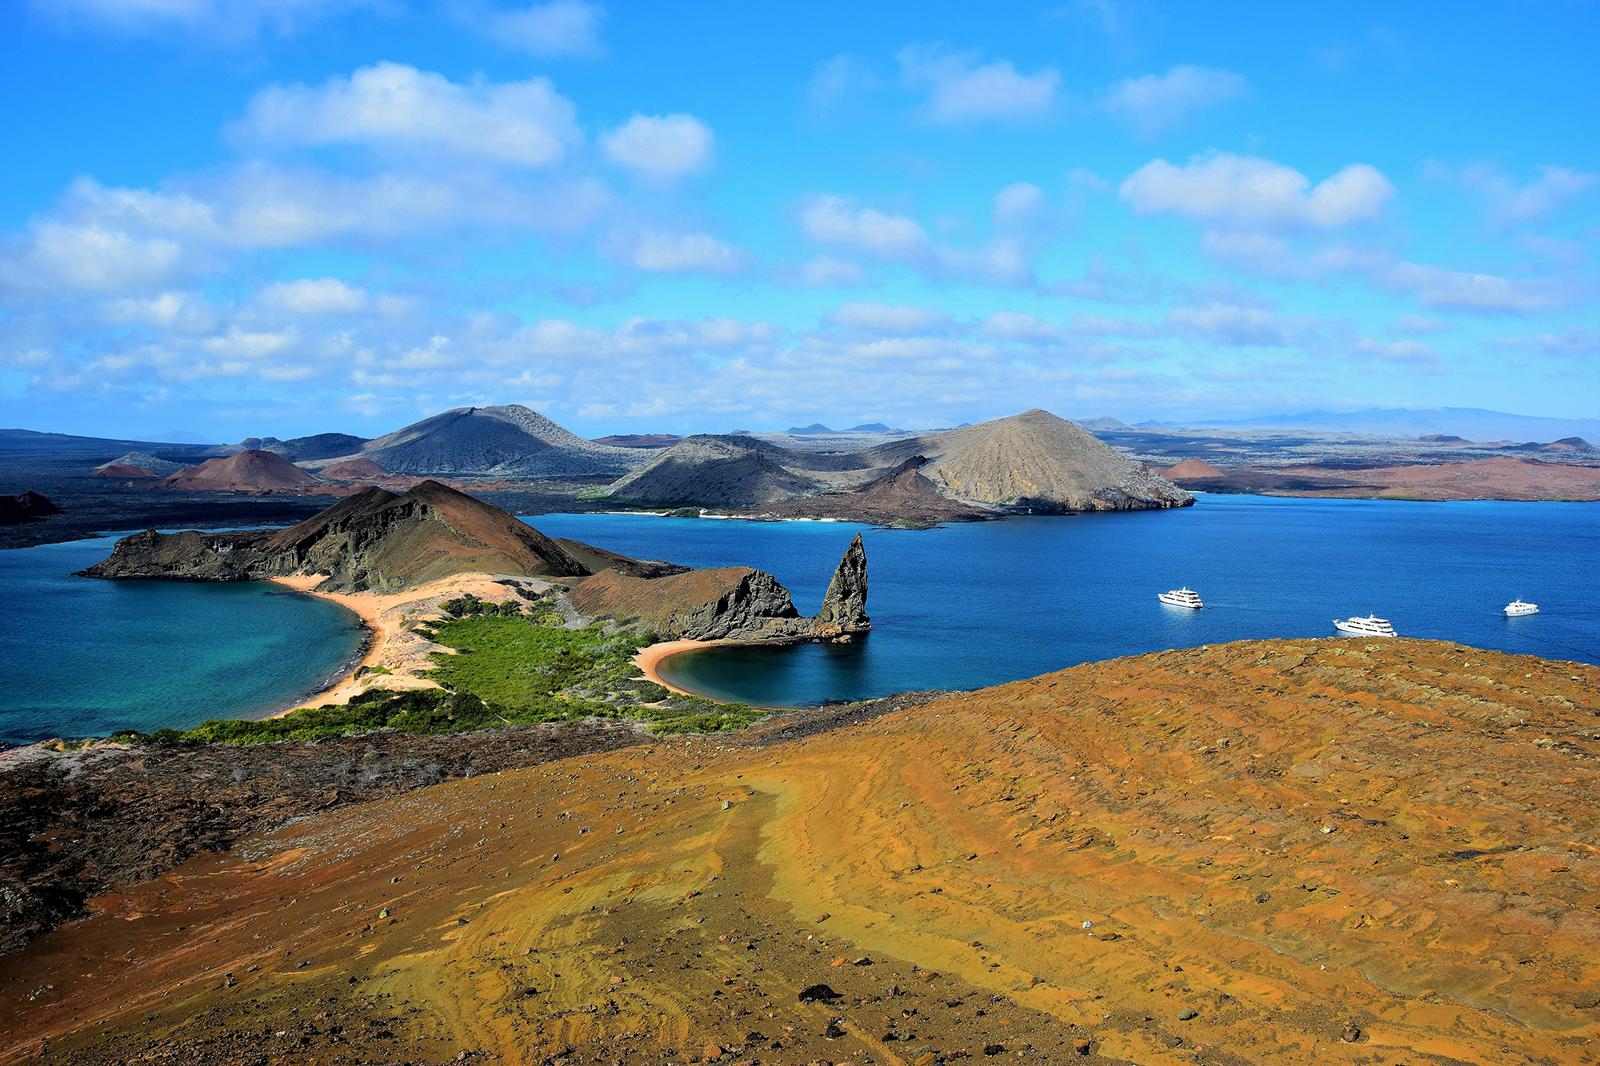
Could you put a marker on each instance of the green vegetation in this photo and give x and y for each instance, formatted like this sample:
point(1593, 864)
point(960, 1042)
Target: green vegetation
point(513, 664)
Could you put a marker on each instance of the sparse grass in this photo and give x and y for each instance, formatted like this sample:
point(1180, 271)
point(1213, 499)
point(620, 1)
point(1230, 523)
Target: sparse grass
point(509, 668)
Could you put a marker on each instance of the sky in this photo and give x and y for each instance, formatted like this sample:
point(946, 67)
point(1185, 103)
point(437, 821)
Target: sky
point(243, 218)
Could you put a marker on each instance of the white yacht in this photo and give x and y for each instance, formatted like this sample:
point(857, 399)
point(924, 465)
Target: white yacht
point(1516, 608)
point(1370, 626)
point(1182, 598)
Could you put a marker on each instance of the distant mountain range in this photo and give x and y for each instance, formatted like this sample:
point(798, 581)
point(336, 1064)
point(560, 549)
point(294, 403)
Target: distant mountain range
point(1472, 423)
point(1032, 462)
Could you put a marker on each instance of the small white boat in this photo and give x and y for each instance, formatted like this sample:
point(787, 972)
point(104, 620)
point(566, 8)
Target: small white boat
point(1370, 626)
point(1517, 608)
point(1184, 597)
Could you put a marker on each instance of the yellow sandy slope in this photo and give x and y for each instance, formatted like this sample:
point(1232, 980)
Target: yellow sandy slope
point(1294, 851)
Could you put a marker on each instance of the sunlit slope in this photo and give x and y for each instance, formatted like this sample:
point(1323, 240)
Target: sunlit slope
point(1289, 851)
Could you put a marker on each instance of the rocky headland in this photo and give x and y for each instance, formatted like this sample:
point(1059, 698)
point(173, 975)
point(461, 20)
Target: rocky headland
point(736, 603)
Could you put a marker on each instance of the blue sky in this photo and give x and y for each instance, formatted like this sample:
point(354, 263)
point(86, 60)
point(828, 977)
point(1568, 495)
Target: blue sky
point(248, 217)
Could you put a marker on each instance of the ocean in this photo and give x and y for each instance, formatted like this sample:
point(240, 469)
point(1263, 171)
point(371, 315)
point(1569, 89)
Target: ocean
point(86, 657)
point(967, 606)
point(959, 607)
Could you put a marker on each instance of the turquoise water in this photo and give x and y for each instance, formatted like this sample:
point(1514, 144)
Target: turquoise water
point(973, 605)
point(86, 658)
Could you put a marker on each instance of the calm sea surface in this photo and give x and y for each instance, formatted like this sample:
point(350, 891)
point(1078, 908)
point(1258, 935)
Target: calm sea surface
point(86, 658)
point(959, 607)
point(973, 605)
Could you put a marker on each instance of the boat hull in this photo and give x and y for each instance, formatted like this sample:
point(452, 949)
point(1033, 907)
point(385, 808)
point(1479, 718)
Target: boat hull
point(1179, 603)
point(1356, 631)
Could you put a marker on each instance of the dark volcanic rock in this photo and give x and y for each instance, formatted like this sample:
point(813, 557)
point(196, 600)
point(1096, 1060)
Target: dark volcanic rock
point(844, 608)
point(73, 824)
point(188, 556)
point(730, 603)
point(23, 507)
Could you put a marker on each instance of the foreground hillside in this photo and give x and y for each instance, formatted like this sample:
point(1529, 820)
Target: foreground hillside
point(1285, 851)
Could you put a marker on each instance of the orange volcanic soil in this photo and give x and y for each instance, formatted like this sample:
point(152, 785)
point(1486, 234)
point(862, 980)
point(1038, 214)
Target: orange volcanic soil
point(1288, 851)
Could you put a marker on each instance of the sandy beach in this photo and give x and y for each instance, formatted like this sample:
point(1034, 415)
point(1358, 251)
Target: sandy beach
point(396, 657)
point(650, 659)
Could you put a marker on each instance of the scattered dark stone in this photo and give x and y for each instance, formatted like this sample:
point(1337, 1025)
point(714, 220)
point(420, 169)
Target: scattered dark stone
point(1083, 1047)
point(1263, 897)
point(1352, 1033)
point(994, 1049)
point(1187, 1014)
point(818, 994)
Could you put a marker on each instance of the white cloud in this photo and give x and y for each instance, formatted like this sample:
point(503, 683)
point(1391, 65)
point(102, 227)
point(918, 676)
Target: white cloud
point(1253, 192)
point(660, 146)
point(240, 343)
point(684, 252)
point(1013, 326)
point(1465, 291)
point(314, 296)
point(87, 257)
point(1018, 203)
point(1155, 101)
point(888, 318)
point(180, 312)
point(962, 90)
point(397, 107)
point(558, 28)
point(1414, 353)
point(1228, 324)
point(1510, 202)
point(836, 220)
point(839, 222)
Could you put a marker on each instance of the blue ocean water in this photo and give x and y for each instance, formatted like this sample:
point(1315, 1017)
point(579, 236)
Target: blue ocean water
point(972, 605)
point(86, 658)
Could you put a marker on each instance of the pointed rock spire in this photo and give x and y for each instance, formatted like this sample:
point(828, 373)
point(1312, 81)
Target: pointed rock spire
point(844, 608)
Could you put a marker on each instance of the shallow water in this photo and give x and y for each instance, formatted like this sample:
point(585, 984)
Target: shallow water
point(86, 658)
point(972, 605)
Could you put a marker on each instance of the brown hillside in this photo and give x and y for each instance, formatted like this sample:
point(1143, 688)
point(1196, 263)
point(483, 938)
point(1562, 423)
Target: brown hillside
point(382, 541)
point(1036, 461)
point(124, 472)
point(901, 496)
point(1190, 469)
point(354, 470)
point(247, 471)
point(1312, 851)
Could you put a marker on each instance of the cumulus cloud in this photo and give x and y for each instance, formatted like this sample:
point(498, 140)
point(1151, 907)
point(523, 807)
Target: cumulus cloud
point(961, 89)
point(1228, 324)
point(1512, 202)
point(1460, 290)
point(314, 296)
point(1155, 101)
point(558, 28)
point(836, 220)
point(839, 222)
point(1252, 192)
point(1409, 352)
point(1018, 204)
point(678, 253)
point(660, 146)
point(396, 107)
